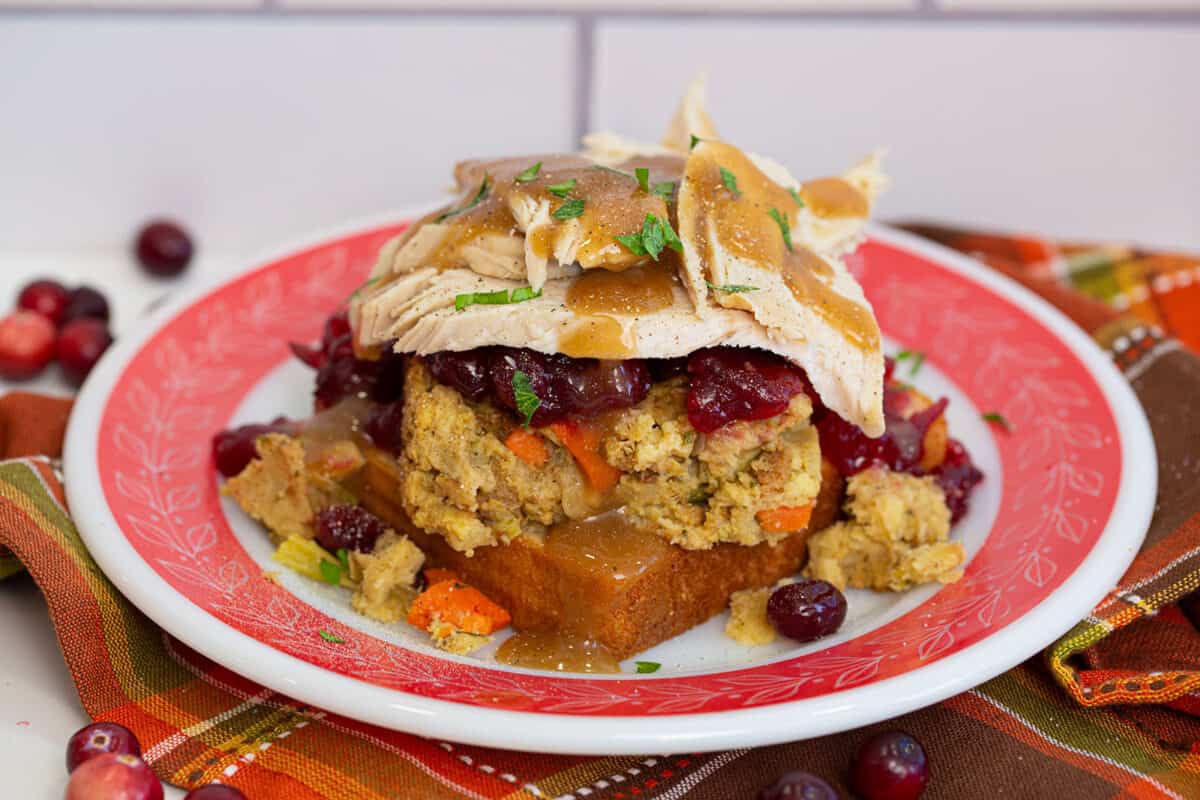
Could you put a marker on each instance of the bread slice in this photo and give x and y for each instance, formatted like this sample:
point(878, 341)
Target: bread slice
point(675, 590)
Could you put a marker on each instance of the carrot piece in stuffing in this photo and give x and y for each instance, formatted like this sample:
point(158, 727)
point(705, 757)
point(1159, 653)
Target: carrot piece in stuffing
point(784, 518)
point(528, 446)
point(584, 444)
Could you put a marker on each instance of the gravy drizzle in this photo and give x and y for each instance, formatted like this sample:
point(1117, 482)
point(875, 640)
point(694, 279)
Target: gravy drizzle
point(604, 548)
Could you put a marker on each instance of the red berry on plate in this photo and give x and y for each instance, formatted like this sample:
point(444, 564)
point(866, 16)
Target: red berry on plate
point(890, 766)
point(807, 609)
point(26, 345)
point(234, 449)
point(80, 346)
point(351, 527)
point(798, 785)
point(87, 302)
point(48, 298)
point(113, 777)
point(163, 248)
point(214, 791)
point(99, 738)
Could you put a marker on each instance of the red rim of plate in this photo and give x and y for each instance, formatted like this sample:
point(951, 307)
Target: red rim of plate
point(1062, 474)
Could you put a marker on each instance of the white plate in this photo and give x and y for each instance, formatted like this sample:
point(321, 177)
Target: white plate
point(1064, 507)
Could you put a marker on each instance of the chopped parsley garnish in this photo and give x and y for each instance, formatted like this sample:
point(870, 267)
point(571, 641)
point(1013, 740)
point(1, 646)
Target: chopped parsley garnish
point(664, 189)
point(526, 399)
point(366, 285)
point(500, 297)
point(343, 555)
point(695, 141)
point(647, 666)
point(330, 572)
point(996, 418)
point(484, 185)
point(732, 288)
point(730, 181)
point(571, 208)
point(796, 196)
point(643, 178)
point(784, 227)
point(917, 358)
point(561, 189)
point(529, 174)
point(655, 234)
point(613, 170)
point(331, 637)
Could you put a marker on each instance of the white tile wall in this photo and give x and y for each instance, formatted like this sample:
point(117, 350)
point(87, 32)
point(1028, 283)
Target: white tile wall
point(1132, 6)
point(1085, 130)
point(739, 6)
point(251, 129)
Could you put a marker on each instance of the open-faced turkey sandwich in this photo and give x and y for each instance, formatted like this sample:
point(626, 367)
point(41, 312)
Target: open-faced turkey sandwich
point(599, 394)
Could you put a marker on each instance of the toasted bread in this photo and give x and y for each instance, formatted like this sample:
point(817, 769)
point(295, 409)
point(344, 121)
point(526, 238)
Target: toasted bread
point(667, 594)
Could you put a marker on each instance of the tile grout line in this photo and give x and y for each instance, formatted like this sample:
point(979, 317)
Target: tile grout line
point(930, 11)
point(585, 74)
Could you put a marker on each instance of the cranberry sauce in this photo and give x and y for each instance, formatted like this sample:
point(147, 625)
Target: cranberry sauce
point(731, 383)
point(565, 386)
point(902, 445)
point(341, 374)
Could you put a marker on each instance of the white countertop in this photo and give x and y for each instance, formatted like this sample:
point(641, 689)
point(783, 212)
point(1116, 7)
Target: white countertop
point(39, 709)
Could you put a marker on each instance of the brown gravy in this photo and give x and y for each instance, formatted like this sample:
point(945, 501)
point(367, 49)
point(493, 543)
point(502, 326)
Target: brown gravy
point(834, 198)
point(614, 205)
point(745, 228)
point(635, 291)
point(605, 547)
point(595, 336)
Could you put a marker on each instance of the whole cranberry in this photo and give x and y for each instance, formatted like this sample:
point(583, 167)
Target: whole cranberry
point(113, 777)
point(234, 449)
point(26, 345)
point(351, 527)
point(87, 302)
point(80, 346)
point(163, 248)
point(806, 610)
point(890, 766)
point(45, 297)
point(798, 785)
point(384, 426)
point(214, 791)
point(99, 738)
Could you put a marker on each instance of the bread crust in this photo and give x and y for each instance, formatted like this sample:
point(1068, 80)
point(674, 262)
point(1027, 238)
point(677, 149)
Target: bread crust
point(675, 592)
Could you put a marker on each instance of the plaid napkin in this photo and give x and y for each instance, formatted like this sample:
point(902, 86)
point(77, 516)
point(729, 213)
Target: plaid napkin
point(1127, 724)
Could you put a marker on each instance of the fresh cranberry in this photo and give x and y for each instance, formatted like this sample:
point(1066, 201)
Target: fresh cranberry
point(48, 298)
point(958, 477)
point(798, 785)
point(731, 383)
point(163, 248)
point(806, 610)
point(383, 426)
point(351, 527)
point(87, 302)
point(113, 777)
point(99, 738)
point(80, 346)
point(26, 345)
point(890, 766)
point(214, 791)
point(341, 374)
